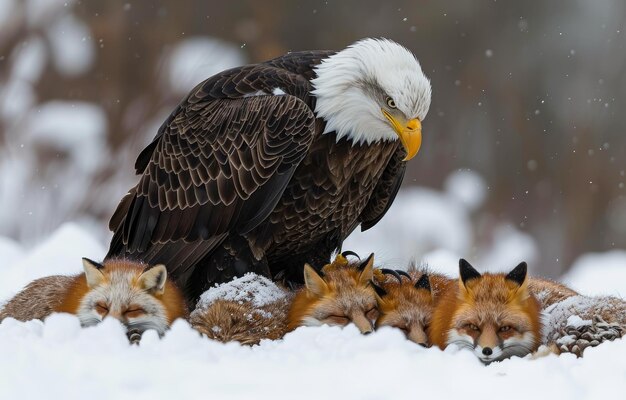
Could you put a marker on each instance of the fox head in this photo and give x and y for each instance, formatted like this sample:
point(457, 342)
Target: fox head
point(341, 294)
point(406, 304)
point(128, 292)
point(496, 316)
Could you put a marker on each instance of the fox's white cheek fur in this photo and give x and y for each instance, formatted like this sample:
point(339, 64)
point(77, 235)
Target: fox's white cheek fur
point(142, 324)
point(86, 313)
point(526, 340)
point(463, 341)
point(89, 317)
point(519, 346)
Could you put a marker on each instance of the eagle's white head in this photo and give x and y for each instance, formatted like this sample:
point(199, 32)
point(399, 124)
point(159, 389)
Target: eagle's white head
point(373, 90)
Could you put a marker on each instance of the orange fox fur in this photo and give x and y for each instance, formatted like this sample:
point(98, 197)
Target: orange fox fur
point(494, 315)
point(408, 303)
point(340, 295)
point(139, 297)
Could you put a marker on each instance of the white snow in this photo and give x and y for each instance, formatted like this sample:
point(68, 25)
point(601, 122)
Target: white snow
point(29, 60)
point(509, 247)
point(78, 128)
point(48, 168)
point(16, 98)
point(433, 227)
point(599, 274)
point(73, 50)
point(57, 359)
point(310, 363)
point(60, 254)
point(468, 187)
point(37, 12)
point(10, 252)
point(250, 287)
point(7, 11)
point(442, 261)
point(420, 220)
point(576, 322)
point(193, 60)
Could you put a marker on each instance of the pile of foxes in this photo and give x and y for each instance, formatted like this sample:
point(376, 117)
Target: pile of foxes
point(496, 316)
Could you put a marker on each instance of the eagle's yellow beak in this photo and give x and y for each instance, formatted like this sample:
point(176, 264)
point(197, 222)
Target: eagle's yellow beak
point(410, 134)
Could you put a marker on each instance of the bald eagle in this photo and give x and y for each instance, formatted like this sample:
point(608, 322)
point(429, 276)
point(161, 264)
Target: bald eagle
point(264, 167)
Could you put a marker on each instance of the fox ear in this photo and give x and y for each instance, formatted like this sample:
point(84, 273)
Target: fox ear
point(367, 270)
point(368, 261)
point(314, 282)
point(153, 279)
point(467, 272)
point(518, 274)
point(93, 272)
point(423, 282)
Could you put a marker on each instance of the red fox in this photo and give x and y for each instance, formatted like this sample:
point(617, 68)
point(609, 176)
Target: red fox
point(139, 297)
point(341, 294)
point(494, 315)
point(408, 304)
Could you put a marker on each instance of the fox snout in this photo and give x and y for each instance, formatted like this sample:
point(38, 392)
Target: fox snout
point(365, 325)
point(116, 315)
point(416, 334)
point(488, 345)
point(488, 340)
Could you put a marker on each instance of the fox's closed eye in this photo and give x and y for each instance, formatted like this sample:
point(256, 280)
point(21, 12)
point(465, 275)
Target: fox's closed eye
point(338, 319)
point(372, 313)
point(403, 328)
point(102, 308)
point(134, 312)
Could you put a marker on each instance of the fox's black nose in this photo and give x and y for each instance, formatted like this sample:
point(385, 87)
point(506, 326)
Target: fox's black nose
point(367, 332)
point(423, 344)
point(487, 351)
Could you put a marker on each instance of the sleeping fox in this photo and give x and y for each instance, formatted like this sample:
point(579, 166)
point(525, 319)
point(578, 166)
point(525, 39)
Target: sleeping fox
point(140, 297)
point(342, 293)
point(408, 301)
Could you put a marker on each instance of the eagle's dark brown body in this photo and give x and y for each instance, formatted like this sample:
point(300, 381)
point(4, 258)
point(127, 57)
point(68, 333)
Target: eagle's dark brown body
point(239, 179)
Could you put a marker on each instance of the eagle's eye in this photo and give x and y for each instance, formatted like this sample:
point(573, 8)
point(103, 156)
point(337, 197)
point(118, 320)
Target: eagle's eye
point(391, 103)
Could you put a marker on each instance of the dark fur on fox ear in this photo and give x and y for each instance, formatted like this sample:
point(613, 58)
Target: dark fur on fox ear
point(379, 291)
point(93, 263)
point(518, 274)
point(367, 261)
point(467, 272)
point(423, 282)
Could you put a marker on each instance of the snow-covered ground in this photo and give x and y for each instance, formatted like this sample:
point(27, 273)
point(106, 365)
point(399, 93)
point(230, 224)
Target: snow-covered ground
point(58, 359)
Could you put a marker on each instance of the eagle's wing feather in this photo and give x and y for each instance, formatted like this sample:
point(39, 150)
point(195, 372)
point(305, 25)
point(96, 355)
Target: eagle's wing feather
point(216, 166)
point(385, 191)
